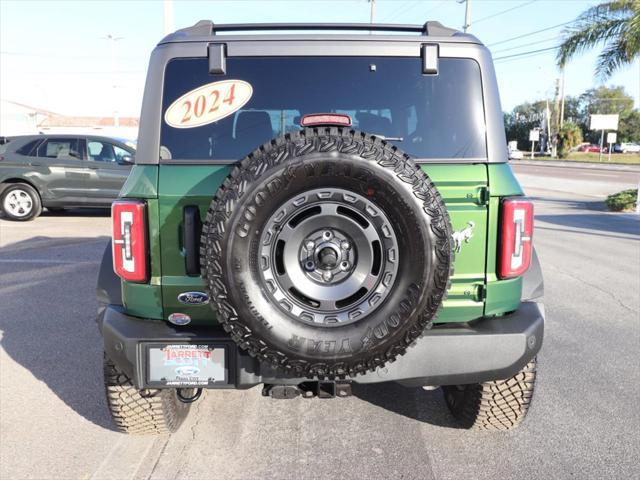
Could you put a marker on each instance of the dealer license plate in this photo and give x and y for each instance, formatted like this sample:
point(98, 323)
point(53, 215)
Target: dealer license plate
point(186, 365)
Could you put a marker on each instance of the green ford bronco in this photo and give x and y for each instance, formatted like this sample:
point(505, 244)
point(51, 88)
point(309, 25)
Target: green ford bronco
point(315, 206)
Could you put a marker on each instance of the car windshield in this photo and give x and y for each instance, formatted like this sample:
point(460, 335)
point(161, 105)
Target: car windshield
point(428, 116)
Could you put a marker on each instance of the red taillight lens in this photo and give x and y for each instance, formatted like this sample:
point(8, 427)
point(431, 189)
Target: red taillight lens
point(314, 119)
point(516, 235)
point(130, 239)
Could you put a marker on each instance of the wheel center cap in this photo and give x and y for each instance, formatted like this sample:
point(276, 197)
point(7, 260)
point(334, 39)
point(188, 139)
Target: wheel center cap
point(328, 258)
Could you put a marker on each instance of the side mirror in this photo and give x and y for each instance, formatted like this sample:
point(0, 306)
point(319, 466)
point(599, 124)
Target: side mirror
point(126, 160)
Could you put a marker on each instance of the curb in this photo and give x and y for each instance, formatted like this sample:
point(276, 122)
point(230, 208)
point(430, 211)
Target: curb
point(581, 165)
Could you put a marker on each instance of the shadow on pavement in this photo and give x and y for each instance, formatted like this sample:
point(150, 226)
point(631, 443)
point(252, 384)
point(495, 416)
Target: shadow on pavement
point(593, 205)
point(411, 402)
point(601, 222)
point(48, 323)
point(77, 212)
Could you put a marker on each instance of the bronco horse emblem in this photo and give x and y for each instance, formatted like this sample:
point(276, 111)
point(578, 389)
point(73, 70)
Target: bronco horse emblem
point(463, 236)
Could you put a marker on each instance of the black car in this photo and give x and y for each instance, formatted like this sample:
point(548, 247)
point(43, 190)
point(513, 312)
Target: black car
point(60, 171)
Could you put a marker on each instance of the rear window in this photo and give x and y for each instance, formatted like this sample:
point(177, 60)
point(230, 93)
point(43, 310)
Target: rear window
point(428, 116)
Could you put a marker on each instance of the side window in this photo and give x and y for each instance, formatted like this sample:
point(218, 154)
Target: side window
point(120, 152)
point(100, 151)
point(59, 148)
point(28, 148)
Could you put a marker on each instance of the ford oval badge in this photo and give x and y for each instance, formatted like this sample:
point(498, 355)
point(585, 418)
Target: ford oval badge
point(193, 298)
point(187, 371)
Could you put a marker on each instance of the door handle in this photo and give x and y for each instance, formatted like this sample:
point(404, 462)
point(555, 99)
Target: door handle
point(93, 168)
point(35, 164)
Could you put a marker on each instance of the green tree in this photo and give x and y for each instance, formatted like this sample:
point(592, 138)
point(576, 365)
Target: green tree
point(607, 100)
point(615, 25)
point(629, 127)
point(572, 111)
point(522, 119)
point(570, 135)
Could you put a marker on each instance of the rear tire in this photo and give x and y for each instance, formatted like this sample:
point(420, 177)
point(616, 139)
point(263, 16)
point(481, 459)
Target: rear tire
point(495, 405)
point(146, 412)
point(20, 202)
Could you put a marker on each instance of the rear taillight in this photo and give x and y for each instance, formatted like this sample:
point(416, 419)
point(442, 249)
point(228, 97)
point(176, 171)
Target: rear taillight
point(516, 231)
point(130, 240)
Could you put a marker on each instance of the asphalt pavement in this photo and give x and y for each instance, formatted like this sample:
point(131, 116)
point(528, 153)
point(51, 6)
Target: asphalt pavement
point(584, 422)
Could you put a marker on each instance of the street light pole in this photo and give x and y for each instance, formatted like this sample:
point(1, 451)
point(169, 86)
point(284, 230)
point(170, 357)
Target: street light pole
point(112, 45)
point(467, 14)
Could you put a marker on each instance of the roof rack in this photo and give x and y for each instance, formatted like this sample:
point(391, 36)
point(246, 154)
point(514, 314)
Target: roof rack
point(207, 28)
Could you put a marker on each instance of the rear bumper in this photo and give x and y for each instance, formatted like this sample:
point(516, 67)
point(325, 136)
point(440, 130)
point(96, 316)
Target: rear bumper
point(488, 349)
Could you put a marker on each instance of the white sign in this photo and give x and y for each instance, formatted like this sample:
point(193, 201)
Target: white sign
point(208, 103)
point(534, 135)
point(604, 122)
point(612, 137)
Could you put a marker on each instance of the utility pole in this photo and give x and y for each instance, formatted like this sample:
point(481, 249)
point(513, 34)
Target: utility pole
point(548, 115)
point(467, 14)
point(168, 17)
point(112, 46)
point(372, 14)
point(556, 119)
point(562, 98)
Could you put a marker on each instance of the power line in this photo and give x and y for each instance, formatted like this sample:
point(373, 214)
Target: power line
point(44, 55)
point(504, 11)
point(434, 7)
point(522, 54)
point(525, 45)
point(531, 33)
point(399, 10)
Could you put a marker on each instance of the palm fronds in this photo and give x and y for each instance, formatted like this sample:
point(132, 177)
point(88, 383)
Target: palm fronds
point(615, 25)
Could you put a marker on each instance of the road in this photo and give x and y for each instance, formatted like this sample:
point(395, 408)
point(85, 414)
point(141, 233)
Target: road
point(584, 422)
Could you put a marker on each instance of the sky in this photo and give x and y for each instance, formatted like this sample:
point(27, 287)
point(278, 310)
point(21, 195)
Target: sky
point(58, 55)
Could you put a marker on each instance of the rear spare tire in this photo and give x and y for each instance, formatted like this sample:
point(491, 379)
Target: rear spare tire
point(326, 253)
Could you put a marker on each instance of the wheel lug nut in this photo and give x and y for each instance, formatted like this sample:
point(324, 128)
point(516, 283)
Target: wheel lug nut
point(309, 244)
point(327, 235)
point(310, 266)
point(327, 276)
point(344, 245)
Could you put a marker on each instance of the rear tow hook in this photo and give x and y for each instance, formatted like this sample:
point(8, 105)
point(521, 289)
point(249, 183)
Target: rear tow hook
point(192, 398)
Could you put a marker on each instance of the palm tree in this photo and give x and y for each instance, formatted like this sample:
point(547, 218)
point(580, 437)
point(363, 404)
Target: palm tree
point(615, 25)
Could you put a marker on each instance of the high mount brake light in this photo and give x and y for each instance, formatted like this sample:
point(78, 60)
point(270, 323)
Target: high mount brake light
point(516, 234)
point(316, 119)
point(129, 219)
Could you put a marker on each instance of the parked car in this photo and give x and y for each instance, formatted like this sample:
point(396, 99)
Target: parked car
point(589, 147)
point(626, 148)
point(515, 154)
point(60, 171)
point(298, 230)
